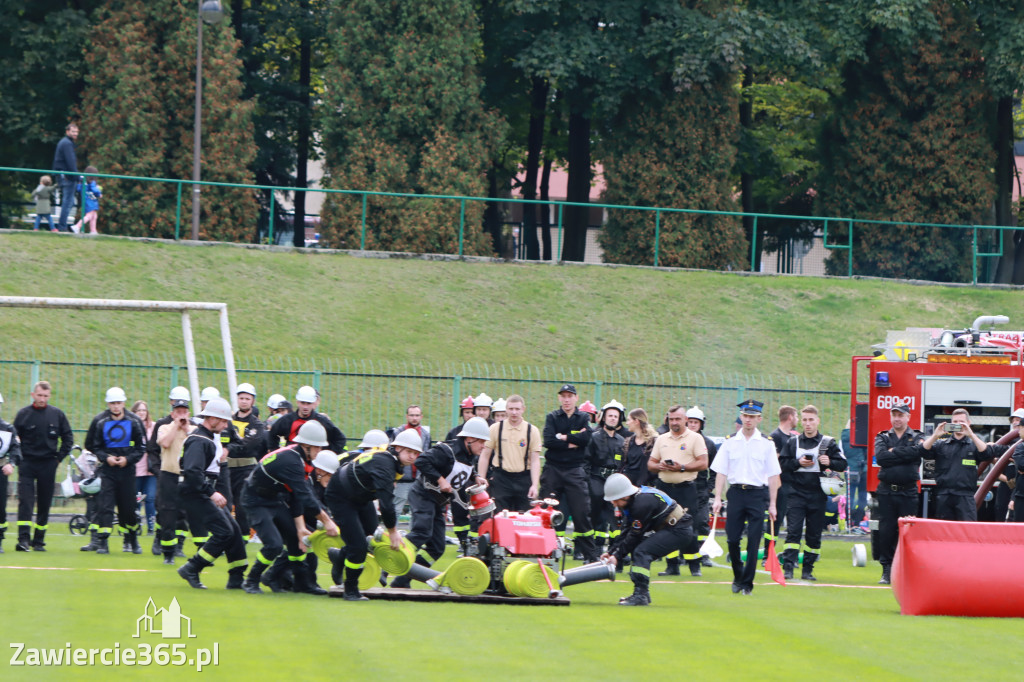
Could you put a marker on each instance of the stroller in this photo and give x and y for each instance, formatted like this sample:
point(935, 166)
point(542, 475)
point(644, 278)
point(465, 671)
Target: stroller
point(83, 482)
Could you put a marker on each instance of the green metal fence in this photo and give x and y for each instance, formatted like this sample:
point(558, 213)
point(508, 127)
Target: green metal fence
point(986, 241)
point(363, 394)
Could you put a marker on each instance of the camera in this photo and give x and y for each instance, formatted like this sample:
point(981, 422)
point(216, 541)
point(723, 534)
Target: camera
point(954, 428)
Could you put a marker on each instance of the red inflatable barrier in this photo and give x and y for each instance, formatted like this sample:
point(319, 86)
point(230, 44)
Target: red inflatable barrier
point(950, 568)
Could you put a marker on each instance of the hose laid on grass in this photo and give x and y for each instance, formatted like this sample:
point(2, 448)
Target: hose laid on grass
point(530, 581)
point(467, 576)
point(319, 542)
point(370, 577)
point(511, 577)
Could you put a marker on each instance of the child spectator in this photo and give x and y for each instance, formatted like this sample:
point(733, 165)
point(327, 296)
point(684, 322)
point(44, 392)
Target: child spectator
point(93, 192)
point(41, 195)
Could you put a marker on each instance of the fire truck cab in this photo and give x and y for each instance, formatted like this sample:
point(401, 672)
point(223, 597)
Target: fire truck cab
point(935, 371)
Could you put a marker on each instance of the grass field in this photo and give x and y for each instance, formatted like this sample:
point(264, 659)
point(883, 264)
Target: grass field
point(846, 627)
point(323, 305)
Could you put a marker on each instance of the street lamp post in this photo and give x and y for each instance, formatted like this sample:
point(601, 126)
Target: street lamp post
point(210, 12)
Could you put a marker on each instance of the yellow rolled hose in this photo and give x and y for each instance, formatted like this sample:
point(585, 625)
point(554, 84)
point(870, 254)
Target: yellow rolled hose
point(466, 576)
point(395, 562)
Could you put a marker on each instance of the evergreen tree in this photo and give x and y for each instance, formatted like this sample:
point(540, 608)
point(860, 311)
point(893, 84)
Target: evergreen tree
point(403, 113)
point(138, 115)
point(910, 139)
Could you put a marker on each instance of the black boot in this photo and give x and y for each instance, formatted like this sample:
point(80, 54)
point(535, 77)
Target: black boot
point(157, 548)
point(94, 542)
point(101, 542)
point(251, 584)
point(179, 551)
point(808, 570)
point(272, 578)
point(352, 592)
point(236, 578)
point(671, 567)
point(38, 544)
point(886, 575)
point(641, 594)
point(131, 542)
point(705, 561)
point(169, 557)
point(190, 571)
point(789, 561)
point(337, 557)
point(305, 579)
point(694, 565)
point(23, 545)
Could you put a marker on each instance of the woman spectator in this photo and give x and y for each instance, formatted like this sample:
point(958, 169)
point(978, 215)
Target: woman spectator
point(638, 447)
point(145, 481)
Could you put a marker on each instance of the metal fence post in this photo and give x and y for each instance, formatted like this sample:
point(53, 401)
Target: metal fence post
point(177, 215)
point(753, 247)
point(270, 220)
point(362, 233)
point(558, 257)
point(657, 235)
point(597, 392)
point(456, 392)
point(34, 373)
point(462, 222)
point(318, 379)
point(174, 375)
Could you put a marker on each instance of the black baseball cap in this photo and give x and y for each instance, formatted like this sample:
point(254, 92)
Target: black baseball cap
point(179, 403)
point(901, 407)
point(568, 388)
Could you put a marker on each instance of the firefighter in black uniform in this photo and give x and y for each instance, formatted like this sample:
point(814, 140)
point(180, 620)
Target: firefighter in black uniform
point(276, 497)
point(247, 445)
point(695, 421)
point(287, 427)
point(10, 457)
point(350, 495)
point(807, 456)
point(566, 435)
point(898, 454)
point(604, 455)
point(780, 436)
point(116, 437)
point(203, 504)
point(956, 466)
point(40, 427)
point(1018, 490)
point(653, 525)
point(444, 471)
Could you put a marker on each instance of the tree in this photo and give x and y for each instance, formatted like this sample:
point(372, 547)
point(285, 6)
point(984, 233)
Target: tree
point(41, 79)
point(910, 140)
point(137, 119)
point(403, 113)
point(283, 51)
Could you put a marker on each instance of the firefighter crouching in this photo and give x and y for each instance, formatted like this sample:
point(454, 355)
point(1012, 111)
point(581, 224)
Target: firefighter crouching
point(275, 496)
point(350, 494)
point(653, 525)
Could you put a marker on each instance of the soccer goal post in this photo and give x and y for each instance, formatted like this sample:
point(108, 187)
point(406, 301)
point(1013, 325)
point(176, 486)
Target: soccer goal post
point(184, 307)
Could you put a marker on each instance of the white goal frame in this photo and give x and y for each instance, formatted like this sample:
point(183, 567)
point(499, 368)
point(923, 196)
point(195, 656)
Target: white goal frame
point(184, 307)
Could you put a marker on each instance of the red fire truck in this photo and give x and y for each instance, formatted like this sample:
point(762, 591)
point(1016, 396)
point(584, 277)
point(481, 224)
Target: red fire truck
point(936, 371)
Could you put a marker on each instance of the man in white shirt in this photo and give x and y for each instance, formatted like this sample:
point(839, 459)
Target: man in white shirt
point(748, 462)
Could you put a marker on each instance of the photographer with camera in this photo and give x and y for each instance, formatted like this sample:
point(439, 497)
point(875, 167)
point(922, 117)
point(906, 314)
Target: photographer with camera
point(956, 466)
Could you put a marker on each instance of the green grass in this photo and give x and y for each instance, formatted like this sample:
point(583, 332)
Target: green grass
point(340, 306)
point(850, 631)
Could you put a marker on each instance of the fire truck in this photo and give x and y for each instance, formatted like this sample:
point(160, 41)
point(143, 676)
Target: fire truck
point(936, 371)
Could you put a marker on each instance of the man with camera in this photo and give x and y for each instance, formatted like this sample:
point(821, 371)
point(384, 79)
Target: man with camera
point(898, 454)
point(676, 457)
point(170, 438)
point(957, 450)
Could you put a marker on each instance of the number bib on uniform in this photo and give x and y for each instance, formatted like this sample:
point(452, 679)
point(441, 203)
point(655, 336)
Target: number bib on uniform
point(461, 475)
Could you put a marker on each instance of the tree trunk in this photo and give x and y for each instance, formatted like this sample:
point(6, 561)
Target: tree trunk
point(304, 134)
point(534, 145)
point(575, 218)
point(1008, 271)
point(545, 208)
point(746, 179)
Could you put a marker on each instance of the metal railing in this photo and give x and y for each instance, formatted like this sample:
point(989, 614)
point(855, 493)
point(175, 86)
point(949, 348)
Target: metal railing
point(363, 394)
point(989, 244)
